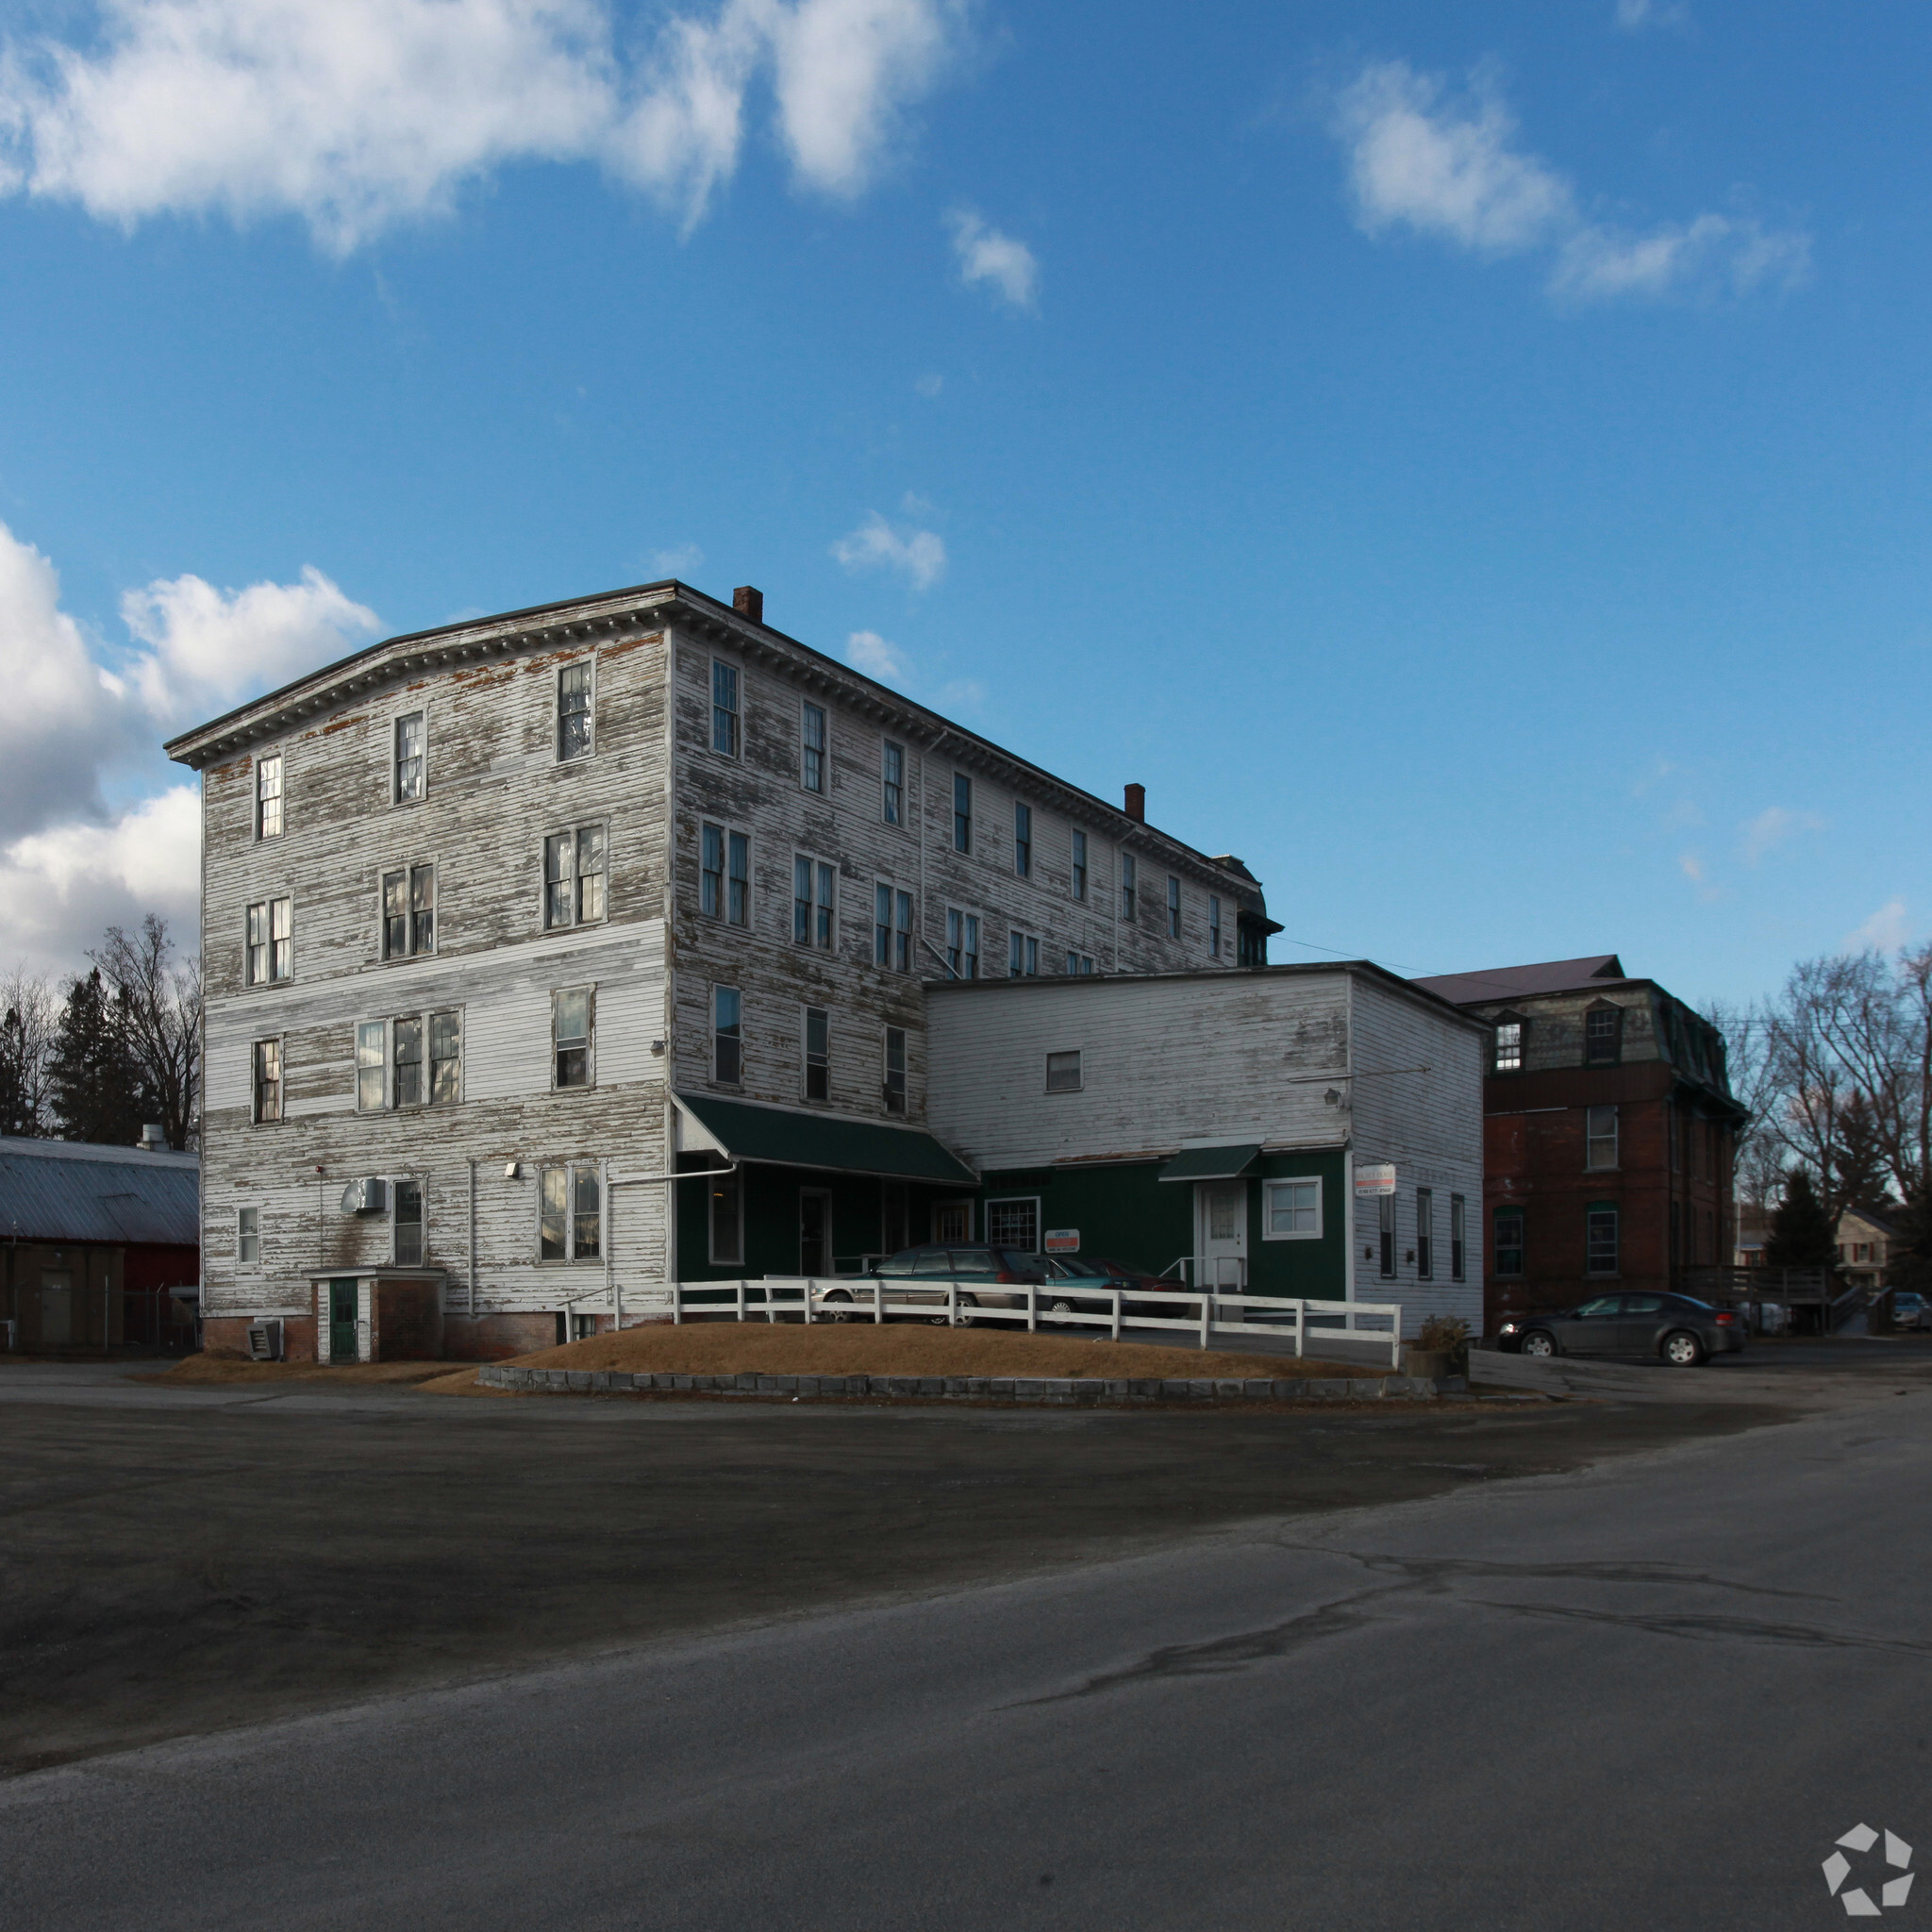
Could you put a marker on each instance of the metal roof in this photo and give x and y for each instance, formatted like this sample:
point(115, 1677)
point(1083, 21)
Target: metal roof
point(747, 1130)
point(69, 1191)
point(1520, 982)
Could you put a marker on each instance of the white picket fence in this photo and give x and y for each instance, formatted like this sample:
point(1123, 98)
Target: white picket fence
point(848, 1298)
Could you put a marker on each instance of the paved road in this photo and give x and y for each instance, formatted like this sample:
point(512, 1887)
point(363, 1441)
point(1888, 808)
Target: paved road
point(1646, 1695)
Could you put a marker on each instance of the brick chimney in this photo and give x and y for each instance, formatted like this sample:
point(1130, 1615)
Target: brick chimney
point(1137, 803)
point(749, 603)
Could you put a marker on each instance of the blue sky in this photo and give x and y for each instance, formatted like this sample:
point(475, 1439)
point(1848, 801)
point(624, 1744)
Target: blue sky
point(1469, 462)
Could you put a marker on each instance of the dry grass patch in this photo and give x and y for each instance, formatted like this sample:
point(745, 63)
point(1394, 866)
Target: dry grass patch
point(865, 1348)
point(222, 1369)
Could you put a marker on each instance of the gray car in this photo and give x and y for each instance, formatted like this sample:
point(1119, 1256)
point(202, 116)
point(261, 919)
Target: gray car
point(1680, 1329)
point(987, 1278)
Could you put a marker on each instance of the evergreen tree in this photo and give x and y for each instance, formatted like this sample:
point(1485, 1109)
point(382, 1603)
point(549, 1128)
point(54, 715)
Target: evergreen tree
point(1858, 1169)
point(1909, 1262)
point(1802, 1234)
point(92, 1075)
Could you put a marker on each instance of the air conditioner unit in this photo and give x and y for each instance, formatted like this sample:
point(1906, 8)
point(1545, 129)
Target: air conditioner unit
point(369, 1195)
point(265, 1340)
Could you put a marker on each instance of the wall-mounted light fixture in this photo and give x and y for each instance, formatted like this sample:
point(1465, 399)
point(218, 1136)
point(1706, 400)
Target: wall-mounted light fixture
point(511, 1171)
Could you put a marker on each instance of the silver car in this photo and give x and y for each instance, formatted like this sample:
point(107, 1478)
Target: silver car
point(1005, 1273)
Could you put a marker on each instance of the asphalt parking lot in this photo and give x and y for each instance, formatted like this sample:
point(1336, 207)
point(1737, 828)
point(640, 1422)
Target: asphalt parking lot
point(174, 1564)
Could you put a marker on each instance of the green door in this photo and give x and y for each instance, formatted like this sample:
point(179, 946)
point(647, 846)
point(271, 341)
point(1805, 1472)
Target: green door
point(341, 1320)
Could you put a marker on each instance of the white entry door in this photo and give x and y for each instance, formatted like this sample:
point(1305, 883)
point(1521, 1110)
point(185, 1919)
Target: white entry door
point(1221, 1233)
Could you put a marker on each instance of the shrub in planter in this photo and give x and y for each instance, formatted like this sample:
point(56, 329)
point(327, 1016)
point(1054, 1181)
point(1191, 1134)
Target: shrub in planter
point(1444, 1336)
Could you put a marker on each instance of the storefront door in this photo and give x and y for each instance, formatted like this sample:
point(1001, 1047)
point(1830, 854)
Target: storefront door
point(1221, 1215)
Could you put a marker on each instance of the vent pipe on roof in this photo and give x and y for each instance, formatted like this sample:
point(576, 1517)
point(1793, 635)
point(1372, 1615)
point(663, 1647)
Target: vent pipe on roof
point(1137, 803)
point(749, 603)
point(152, 1139)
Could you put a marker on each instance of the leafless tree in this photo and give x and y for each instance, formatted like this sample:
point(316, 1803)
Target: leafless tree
point(1761, 1156)
point(32, 1013)
point(163, 1002)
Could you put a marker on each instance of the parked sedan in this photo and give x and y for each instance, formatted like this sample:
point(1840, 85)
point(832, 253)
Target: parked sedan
point(1909, 1311)
point(1682, 1330)
point(1072, 1283)
point(1002, 1270)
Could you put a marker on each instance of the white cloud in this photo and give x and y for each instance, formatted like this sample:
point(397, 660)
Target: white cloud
point(866, 651)
point(986, 255)
point(1446, 165)
point(920, 555)
point(65, 886)
point(677, 562)
point(929, 385)
point(1692, 867)
point(207, 647)
point(1884, 931)
point(1772, 827)
point(1633, 16)
point(359, 114)
point(63, 717)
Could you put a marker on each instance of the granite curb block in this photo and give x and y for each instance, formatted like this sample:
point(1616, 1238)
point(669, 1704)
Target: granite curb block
point(977, 1387)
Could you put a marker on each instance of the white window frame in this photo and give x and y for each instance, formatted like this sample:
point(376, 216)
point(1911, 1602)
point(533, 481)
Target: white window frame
point(959, 778)
point(886, 746)
point(408, 868)
point(1592, 1140)
point(396, 1184)
point(712, 707)
point(1292, 1180)
point(1130, 890)
point(1079, 1057)
point(1078, 879)
point(267, 907)
point(1173, 906)
point(588, 1082)
point(992, 1207)
point(824, 788)
point(573, 833)
point(395, 763)
point(251, 1231)
point(905, 1107)
point(737, 992)
point(256, 1117)
point(898, 901)
point(804, 1059)
point(1022, 843)
point(726, 831)
point(977, 955)
point(427, 1018)
point(570, 1258)
point(1213, 925)
point(820, 867)
point(1029, 944)
point(278, 759)
point(590, 751)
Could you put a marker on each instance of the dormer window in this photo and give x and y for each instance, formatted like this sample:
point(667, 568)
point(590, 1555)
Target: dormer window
point(1509, 1045)
point(1603, 1036)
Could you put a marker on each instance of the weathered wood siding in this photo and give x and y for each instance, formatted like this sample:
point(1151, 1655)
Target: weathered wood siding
point(1417, 1099)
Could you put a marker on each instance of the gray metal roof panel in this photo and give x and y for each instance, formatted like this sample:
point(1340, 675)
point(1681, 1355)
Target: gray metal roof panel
point(60, 1190)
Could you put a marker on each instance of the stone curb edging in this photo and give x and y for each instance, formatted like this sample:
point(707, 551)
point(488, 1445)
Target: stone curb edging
point(971, 1388)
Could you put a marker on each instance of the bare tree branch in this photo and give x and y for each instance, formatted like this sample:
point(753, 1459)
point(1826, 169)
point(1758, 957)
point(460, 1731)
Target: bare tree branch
point(163, 1004)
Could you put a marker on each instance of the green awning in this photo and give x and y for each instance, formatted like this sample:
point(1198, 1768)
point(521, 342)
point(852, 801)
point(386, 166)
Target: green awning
point(1211, 1163)
point(781, 1138)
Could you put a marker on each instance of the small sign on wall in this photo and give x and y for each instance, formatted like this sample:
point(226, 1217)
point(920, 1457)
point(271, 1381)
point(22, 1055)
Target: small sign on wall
point(1374, 1178)
point(1062, 1241)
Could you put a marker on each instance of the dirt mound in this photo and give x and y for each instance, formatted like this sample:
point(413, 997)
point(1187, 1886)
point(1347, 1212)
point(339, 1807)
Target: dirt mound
point(865, 1348)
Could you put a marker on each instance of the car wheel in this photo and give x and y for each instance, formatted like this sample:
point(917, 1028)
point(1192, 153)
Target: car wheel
point(1539, 1342)
point(1059, 1309)
point(967, 1302)
point(1682, 1349)
point(838, 1294)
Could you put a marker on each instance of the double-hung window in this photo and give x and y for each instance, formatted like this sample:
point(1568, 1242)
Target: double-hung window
point(268, 796)
point(1603, 1036)
point(963, 813)
point(812, 746)
point(1131, 902)
point(892, 781)
point(963, 944)
point(1063, 1071)
point(413, 1061)
point(817, 1054)
point(570, 1223)
point(724, 720)
point(814, 902)
point(727, 1037)
point(573, 874)
point(268, 1080)
point(445, 1058)
point(1213, 926)
point(725, 876)
point(1291, 1210)
point(1173, 907)
point(408, 911)
point(1080, 865)
point(895, 1078)
point(271, 954)
point(892, 927)
point(406, 1225)
point(1600, 1137)
point(409, 757)
point(406, 1075)
point(1509, 1046)
point(1078, 963)
point(1424, 1234)
point(247, 1236)
point(1509, 1240)
point(1600, 1244)
point(1022, 956)
point(1023, 839)
point(573, 1020)
point(574, 716)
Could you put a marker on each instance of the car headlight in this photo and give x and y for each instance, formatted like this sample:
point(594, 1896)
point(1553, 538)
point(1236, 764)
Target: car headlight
point(1509, 1329)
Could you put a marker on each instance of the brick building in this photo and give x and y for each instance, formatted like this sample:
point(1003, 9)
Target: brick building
point(1609, 1133)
